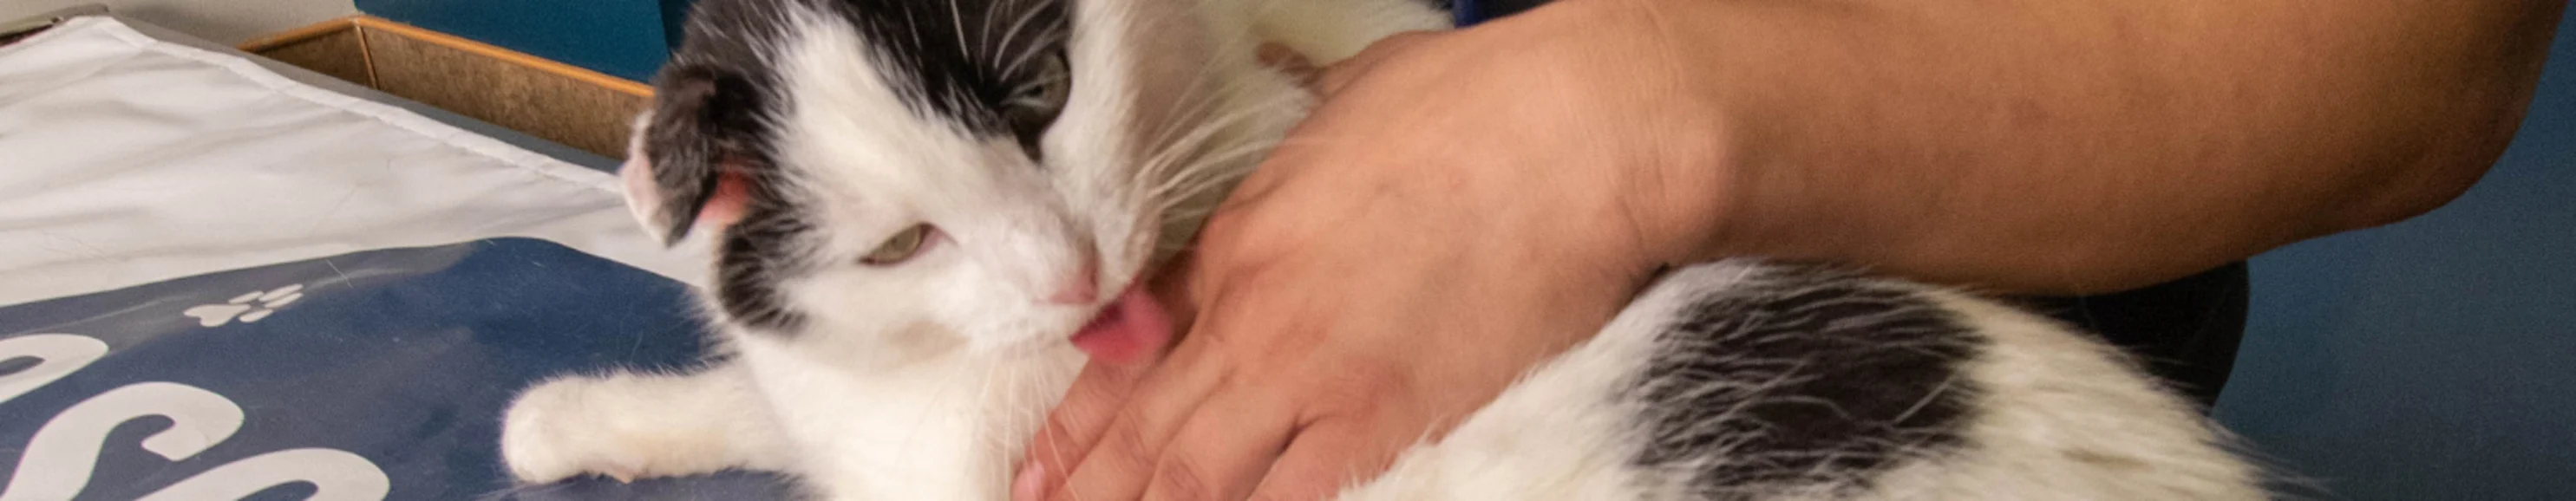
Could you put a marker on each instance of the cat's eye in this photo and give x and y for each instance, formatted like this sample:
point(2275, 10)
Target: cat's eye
point(1033, 106)
point(1047, 88)
point(903, 245)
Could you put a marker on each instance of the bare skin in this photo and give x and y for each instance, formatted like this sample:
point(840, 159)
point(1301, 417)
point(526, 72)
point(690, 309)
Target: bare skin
point(1467, 204)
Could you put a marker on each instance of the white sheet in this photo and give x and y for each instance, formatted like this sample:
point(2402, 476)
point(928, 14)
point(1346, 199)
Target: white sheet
point(127, 160)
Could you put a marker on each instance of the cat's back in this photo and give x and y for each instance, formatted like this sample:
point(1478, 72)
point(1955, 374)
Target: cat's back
point(1741, 380)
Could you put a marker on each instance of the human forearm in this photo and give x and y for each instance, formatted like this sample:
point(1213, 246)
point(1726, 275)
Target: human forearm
point(2062, 146)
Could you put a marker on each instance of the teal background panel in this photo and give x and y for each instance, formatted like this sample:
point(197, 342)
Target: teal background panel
point(624, 38)
point(2434, 358)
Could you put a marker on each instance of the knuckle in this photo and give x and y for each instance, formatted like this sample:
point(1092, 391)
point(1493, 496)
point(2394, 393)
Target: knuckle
point(1364, 392)
point(1080, 410)
point(1368, 378)
point(1126, 450)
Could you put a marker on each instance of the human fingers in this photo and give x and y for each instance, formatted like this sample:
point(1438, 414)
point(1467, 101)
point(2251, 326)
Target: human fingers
point(1074, 425)
point(1226, 447)
point(1122, 458)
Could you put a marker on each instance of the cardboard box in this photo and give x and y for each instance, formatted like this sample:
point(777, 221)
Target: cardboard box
point(577, 107)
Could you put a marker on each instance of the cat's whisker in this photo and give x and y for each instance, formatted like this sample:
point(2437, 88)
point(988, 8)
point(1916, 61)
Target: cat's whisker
point(1204, 162)
point(911, 27)
point(1193, 213)
point(957, 23)
point(1164, 191)
point(1206, 131)
point(1195, 178)
point(1211, 153)
point(984, 31)
point(1193, 102)
point(1199, 165)
point(1013, 32)
point(1051, 34)
point(1180, 194)
point(1195, 189)
point(1196, 99)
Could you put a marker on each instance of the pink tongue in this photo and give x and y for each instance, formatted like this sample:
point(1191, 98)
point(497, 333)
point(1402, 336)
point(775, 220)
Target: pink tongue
point(1128, 331)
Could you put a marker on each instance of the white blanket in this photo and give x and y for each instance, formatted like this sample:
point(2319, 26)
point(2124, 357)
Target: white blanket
point(125, 160)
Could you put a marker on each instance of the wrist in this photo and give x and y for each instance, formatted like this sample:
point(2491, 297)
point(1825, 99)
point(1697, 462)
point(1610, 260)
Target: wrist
point(1661, 141)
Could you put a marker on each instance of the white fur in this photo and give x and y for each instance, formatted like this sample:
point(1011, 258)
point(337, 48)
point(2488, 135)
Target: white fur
point(946, 428)
point(630, 425)
point(922, 381)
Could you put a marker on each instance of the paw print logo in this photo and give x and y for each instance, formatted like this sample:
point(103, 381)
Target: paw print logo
point(247, 308)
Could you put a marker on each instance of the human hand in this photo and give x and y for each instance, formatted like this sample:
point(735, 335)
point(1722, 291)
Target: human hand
point(1452, 215)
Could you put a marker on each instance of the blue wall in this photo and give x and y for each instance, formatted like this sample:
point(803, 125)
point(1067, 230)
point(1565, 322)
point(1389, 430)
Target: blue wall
point(624, 38)
point(2434, 358)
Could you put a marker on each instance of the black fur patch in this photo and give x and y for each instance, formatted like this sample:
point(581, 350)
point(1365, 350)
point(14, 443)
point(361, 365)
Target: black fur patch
point(1802, 377)
point(963, 60)
point(758, 254)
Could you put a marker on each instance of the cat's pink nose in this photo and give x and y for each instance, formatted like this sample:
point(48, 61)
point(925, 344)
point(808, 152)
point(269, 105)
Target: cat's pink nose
point(1081, 288)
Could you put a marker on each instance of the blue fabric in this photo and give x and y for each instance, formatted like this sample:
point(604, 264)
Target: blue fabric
point(405, 357)
point(1466, 13)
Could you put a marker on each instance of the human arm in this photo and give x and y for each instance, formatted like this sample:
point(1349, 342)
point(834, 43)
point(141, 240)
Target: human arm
point(2065, 147)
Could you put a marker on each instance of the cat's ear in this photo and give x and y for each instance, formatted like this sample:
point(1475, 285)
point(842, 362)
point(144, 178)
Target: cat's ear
point(689, 161)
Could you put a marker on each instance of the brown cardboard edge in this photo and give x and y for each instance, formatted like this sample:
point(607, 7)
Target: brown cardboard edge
point(364, 22)
point(290, 37)
point(316, 31)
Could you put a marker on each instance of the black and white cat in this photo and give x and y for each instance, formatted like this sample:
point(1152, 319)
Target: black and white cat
point(914, 203)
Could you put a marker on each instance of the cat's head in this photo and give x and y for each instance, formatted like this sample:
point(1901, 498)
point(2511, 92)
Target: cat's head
point(992, 173)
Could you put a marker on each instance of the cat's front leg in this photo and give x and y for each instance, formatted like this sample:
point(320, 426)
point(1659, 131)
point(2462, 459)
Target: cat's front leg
point(630, 425)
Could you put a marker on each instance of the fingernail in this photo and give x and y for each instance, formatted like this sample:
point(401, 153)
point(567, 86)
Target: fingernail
point(1025, 486)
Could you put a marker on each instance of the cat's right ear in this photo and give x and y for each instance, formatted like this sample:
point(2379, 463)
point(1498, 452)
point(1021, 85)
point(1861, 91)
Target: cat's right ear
point(691, 160)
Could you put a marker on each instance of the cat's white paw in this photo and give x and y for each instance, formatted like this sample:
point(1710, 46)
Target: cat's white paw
point(591, 425)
